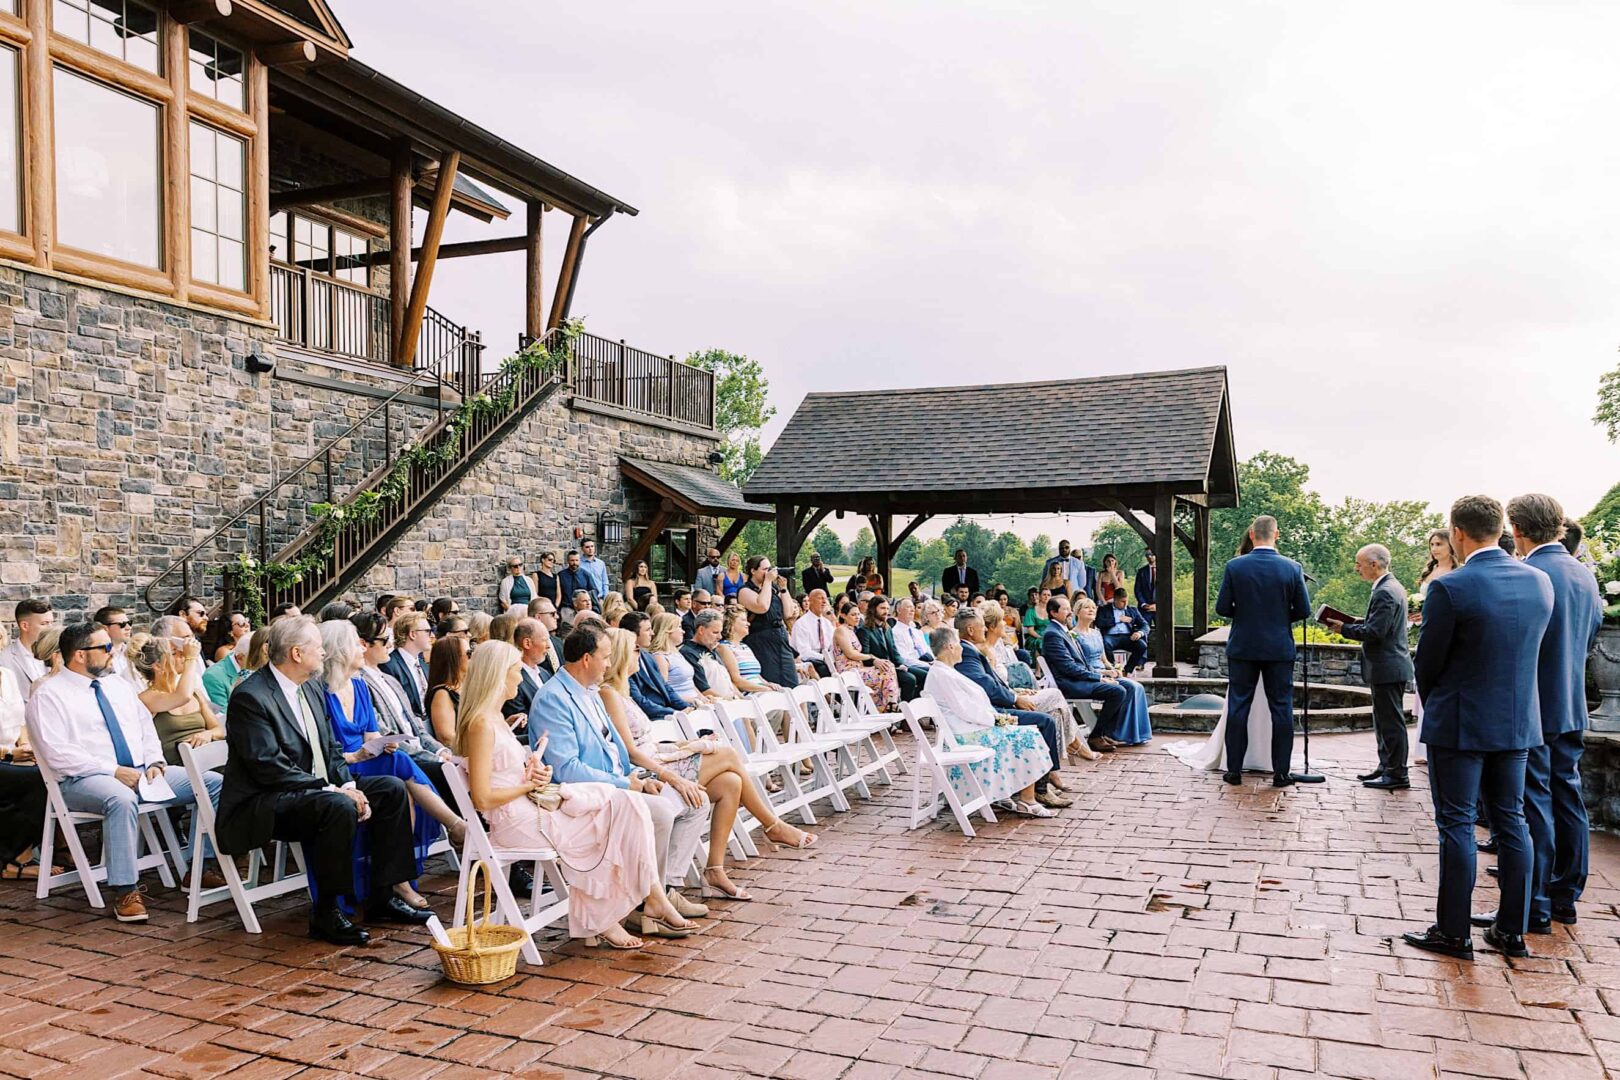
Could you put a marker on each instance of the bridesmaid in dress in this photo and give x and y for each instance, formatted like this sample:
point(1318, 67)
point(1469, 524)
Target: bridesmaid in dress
point(603, 835)
point(1442, 561)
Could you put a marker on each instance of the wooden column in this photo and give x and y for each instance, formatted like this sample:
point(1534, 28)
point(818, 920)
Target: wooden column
point(787, 538)
point(399, 243)
point(405, 354)
point(883, 532)
point(565, 275)
point(259, 188)
point(177, 163)
point(1164, 594)
point(1200, 601)
point(534, 298)
point(41, 172)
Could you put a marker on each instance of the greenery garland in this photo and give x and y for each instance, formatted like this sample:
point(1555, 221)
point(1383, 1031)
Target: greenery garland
point(250, 577)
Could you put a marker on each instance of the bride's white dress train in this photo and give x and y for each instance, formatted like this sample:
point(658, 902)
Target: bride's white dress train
point(1211, 753)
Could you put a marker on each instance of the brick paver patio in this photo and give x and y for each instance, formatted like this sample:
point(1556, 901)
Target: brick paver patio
point(1166, 926)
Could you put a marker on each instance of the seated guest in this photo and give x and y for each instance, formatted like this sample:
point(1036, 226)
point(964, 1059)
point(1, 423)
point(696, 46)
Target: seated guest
point(99, 739)
point(394, 607)
point(501, 626)
point(569, 725)
point(286, 780)
point(654, 694)
point(677, 671)
point(443, 608)
point(116, 621)
point(337, 611)
point(34, 616)
point(223, 632)
point(971, 630)
point(948, 608)
point(393, 708)
point(48, 651)
point(1146, 580)
point(964, 709)
point(639, 588)
point(452, 626)
point(446, 668)
point(286, 609)
point(700, 602)
point(1078, 679)
point(878, 675)
point(911, 638)
point(407, 663)
point(877, 640)
point(220, 679)
point(478, 628)
point(1004, 661)
point(738, 664)
point(181, 711)
point(1010, 641)
point(533, 644)
point(22, 791)
point(812, 633)
point(915, 592)
point(517, 588)
point(603, 830)
point(580, 604)
point(353, 715)
point(613, 609)
point(1035, 620)
point(1123, 629)
point(713, 774)
point(1133, 727)
point(544, 612)
point(932, 613)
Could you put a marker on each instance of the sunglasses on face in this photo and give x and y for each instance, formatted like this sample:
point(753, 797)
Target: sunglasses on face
point(107, 648)
point(116, 625)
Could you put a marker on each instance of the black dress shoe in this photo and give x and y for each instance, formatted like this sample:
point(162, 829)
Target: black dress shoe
point(1506, 944)
point(1488, 918)
point(1565, 915)
point(1233, 778)
point(1432, 940)
point(1282, 780)
point(396, 910)
point(1375, 774)
point(1385, 782)
point(335, 927)
point(1487, 848)
point(521, 880)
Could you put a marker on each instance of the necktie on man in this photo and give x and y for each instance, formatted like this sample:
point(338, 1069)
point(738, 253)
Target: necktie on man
point(120, 744)
point(317, 754)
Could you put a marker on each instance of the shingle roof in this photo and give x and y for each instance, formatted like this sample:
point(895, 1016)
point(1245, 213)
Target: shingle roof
point(1023, 438)
point(696, 490)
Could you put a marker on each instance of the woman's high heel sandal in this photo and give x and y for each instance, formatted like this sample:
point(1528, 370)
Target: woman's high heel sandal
point(718, 886)
point(805, 839)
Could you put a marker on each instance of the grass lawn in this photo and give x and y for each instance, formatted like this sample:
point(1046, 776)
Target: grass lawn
point(898, 587)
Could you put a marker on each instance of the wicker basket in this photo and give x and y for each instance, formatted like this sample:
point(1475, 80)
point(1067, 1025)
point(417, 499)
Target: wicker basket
point(480, 952)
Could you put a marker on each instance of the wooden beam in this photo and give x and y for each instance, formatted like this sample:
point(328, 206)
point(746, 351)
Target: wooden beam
point(289, 54)
point(259, 187)
point(809, 525)
point(1128, 516)
point(399, 239)
point(788, 539)
point(534, 298)
point(41, 189)
point(195, 11)
point(349, 189)
point(177, 165)
point(905, 533)
point(1200, 598)
point(1186, 541)
point(883, 533)
point(405, 353)
point(1164, 594)
point(459, 250)
point(649, 536)
point(565, 275)
point(733, 531)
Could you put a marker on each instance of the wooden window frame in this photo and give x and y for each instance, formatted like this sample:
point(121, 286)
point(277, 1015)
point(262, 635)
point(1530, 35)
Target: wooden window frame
point(329, 223)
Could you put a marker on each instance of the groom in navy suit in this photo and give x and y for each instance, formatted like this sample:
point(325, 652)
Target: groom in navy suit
point(1263, 594)
point(1554, 809)
point(1476, 667)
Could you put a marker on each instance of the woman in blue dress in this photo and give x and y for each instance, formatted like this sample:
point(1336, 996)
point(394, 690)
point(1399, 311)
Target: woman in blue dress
point(1134, 726)
point(354, 719)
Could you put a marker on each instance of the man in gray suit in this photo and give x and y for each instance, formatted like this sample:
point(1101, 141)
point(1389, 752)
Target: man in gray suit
point(1386, 665)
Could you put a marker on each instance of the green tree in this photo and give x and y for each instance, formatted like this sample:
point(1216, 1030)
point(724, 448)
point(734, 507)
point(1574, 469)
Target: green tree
point(1041, 547)
point(935, 556)
point(978, 541)
point(757, 538)
point(826, 543)
point(740, 408)
point(1604, 518)
point(863, 546)
point(905, 556)
point(1116, 537)
point(1018, 572)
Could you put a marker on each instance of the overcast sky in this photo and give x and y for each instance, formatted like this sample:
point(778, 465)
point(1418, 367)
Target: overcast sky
point(1393, 223)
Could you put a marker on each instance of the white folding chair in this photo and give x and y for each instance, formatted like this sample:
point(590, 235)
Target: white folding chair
point(853, 709)
point(259, 885)
point(768, 754)
point(149, 853)
point(1084, 710)
point(849, 774)
point(545, 906)
point(934, 758)
point(693, 724)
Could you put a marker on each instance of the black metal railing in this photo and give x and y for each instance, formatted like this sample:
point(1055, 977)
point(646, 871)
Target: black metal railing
point(319, 312)
point(613, 373)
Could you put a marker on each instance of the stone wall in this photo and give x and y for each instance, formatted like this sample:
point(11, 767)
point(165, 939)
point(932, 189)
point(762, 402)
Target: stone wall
point(1331, 664)
point(1600, 779)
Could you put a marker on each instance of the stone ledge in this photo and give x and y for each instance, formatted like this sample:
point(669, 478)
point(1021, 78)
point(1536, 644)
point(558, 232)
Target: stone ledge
point(630, 415)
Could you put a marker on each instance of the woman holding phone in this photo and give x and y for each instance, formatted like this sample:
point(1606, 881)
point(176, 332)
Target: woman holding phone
point(765, 597)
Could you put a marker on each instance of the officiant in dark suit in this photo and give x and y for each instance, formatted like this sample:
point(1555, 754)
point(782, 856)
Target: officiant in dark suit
point(286, 779)
point(1386, 665)
point(1476, 670)
point(1263, 594)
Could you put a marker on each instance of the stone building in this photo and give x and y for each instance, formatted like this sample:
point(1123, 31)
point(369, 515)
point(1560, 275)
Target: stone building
point(217, 348)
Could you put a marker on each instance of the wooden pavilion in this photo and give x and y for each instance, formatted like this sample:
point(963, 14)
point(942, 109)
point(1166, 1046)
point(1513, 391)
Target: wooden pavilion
point(1155, 443)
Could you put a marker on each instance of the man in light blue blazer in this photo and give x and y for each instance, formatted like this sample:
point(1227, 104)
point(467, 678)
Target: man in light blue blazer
point(1264, 595)
point(1476, 667)
point(583, 747)
point(1554, 808)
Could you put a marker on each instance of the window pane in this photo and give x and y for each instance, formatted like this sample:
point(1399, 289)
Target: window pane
point(202, 151)
point(122, 28)
point(216, 70)
point(203, 214)
point(107, 171)
point(230, 163)
point(232, 265)
point(10, 191)
point(230, 214)
point(278, 236)
point(204, 256)
point(217, 211)
point(69, 20)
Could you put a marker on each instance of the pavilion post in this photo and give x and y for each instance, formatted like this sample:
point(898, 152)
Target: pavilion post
point(1200, 602)
point(882, 531)
point(1164, 593)
point(787, 537)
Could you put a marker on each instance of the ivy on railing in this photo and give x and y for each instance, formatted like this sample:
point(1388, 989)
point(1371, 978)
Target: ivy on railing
point(251, 576)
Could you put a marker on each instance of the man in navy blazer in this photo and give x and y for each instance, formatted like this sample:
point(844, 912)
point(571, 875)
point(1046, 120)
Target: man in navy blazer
point(1554, 809)
point(1147, 579)
point(413, 637)
point(1476, 667)
point(1076, 678)
point(1124, 629)
point(1263, 594)
point(970, 628)
point(648, 687)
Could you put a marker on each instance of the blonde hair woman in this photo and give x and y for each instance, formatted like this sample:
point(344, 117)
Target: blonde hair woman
point(478, 627)
point(603, 835)
point(181, 711)
point(613, 608)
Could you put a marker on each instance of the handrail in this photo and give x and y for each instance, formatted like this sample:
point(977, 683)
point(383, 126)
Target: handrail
point(421, 374)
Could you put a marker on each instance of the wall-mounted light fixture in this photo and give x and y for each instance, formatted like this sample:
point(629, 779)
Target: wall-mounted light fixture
point(610, 529)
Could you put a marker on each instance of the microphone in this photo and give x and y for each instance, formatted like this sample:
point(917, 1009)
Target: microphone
point(1309, 577)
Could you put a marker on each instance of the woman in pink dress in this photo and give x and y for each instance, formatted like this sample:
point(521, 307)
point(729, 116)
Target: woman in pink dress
point(603, 835)
point(878, 675)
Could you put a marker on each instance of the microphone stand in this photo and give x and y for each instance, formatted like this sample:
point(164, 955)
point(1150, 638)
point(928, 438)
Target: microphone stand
point(1307, 777)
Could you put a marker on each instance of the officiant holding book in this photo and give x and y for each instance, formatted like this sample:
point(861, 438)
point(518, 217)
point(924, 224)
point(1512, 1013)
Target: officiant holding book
point(1386, 665)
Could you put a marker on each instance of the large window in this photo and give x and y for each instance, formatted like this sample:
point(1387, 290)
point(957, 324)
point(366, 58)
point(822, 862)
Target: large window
point(218, 208)
point(216, 71)
point(320, 247)
point(10, 186)
point(349, 257)
point(120, 28)
point(108, 173)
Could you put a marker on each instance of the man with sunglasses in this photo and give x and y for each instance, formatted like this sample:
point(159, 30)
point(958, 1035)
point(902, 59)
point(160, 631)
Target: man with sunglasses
point(545, 613)
point(116, 621)
point(96, 735)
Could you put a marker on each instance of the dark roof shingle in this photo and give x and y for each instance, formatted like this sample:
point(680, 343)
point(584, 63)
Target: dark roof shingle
point(702, 490)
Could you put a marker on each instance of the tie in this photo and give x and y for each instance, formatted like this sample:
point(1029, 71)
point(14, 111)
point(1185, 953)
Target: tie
point(120, 745)
point(821, 635)
point(317, 755)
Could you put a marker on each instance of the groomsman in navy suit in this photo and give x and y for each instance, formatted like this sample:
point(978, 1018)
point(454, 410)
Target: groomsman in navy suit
point(1554, 809)
point(1147, 578)
point(1477, 664)
point(1264, 594)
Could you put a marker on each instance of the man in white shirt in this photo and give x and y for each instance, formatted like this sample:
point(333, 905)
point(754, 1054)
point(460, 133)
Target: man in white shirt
point(116, 621)
point(812, 636)
point(413, 637)
point(911, 639)
point(95, 734)
point(34, 617)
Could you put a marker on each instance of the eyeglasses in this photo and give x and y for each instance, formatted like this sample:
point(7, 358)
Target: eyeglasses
point(107, 648)
point(421, 630)
point(111, 625)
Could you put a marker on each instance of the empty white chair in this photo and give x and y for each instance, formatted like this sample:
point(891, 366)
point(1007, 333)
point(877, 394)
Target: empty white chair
point(851, 708)
point(867, 711)
point(259, 885)
point(768, 754)
point(849, 774)
point(546, 906)
point(934, 757)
